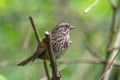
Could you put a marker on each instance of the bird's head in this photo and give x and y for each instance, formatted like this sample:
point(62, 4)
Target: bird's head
point(66, 27)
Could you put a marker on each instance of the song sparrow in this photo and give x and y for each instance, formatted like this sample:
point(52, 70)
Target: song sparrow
point(60, 41)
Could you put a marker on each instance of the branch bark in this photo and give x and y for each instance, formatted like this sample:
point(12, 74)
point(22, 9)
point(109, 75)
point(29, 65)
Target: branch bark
point(92, 51)
point(88, 61)
point(108, 68)
point(91, 6)
point(55, 73)
point(109, 65)
point(38, 40)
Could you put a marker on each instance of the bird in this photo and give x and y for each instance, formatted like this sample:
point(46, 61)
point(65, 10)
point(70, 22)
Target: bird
point(60, 41)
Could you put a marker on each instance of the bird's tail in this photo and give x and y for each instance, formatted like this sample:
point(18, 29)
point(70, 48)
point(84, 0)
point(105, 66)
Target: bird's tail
point(26, 61)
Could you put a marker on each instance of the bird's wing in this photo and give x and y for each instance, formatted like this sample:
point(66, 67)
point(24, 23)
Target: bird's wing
point(40, 51)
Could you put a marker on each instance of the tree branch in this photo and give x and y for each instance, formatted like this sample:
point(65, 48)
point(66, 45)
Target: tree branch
point(113, 4)
point(34, 29)
point(56, 75)
point(88, 61)
point(91, 6)
point(109, 65)
point(38, 40)
point(108, 68)
point(111, 33)
point(27, 39)
point(68, 61)
point(92, 51)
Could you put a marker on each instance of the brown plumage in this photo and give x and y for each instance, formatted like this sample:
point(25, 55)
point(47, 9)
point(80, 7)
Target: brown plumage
point(60, 41)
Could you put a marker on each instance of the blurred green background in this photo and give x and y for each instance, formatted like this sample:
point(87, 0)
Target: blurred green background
point(17, 40)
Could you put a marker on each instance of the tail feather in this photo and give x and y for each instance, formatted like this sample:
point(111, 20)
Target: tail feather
point(26, 61)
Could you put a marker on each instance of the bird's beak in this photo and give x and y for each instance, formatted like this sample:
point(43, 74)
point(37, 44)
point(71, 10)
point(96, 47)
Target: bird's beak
point(72, 27)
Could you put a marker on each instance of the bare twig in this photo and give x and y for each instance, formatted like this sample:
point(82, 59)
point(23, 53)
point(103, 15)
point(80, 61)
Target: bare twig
point(112, 59)
point(68, 61)
point(56, 75)
point(38, 40)
point(27, 39)
point(92, 51)
point(91, 6)
point(46, 70)
point(111, 33)
point(113, 4)
point(88, 61)
point(109, 65)
point(115, 48)
point(35, 30)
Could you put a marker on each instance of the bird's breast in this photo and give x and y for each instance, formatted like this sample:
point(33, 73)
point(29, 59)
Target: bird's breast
point(60, 45)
